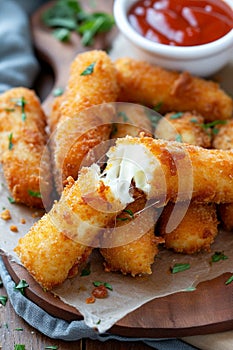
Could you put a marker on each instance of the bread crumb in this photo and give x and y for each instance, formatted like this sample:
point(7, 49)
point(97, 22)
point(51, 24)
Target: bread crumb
point(23, 221)
point(14, 228)
point(6, 215)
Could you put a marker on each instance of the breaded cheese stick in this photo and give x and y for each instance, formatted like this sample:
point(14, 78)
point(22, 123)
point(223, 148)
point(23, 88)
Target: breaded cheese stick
point(165, 171)
point(187, 126)
point(197, 230)
point(64, 238)
point(224, 140)
point(23, 153)
point(92, 82)
point(140, 82)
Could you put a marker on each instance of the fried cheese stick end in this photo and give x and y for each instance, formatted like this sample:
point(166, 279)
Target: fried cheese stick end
point(23, 151)
point(92, 83)
point(141, 82)
point(63, 239)
point(196, 231)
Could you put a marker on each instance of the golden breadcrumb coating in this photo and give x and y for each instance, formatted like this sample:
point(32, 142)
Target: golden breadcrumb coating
point(140, 82)
point(77, 131)
point(64, 238)
point(23, 142)
point(188, 126)
point(224, 140)
point(196, 231)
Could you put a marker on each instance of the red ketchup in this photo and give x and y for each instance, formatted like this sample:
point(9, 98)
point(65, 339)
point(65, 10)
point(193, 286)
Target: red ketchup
point(181, 22)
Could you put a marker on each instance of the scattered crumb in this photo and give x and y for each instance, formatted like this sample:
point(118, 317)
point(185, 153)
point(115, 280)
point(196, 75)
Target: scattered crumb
point(14, 228)
point(36, 214)
point(23, 221)
point(6, 215)
point(90, 300)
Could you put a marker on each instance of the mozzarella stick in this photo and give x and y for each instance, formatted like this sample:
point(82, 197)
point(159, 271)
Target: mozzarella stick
point(196, 231)
point(140, 82)
point(23, 153)
point(92, 82)
point(224, 140)
point(169, 171)
point(63, 239)
point(186, 127)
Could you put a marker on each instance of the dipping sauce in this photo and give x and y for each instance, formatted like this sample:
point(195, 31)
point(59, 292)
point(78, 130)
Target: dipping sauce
point(181, 22)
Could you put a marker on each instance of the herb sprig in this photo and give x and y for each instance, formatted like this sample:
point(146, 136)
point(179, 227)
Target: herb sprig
point(66, 16)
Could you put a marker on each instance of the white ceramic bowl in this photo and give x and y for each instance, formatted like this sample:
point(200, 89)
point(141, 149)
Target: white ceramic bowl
point(203, 60)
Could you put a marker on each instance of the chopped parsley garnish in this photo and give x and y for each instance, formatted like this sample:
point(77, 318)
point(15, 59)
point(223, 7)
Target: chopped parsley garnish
point(99, 321)
point(21, 102)
point(179, 267)
point(212, 124)
point(3, 299)
point(10, 138)
point(105, 284)
point(11, 200)
point(19, 329)
point(158, 106)
point(124, 116)
point(19, 347)
point(190, 289)
point(217, 256)
point(176, 115)
point(68, 15)
point(58, 92)
point(193, 120)
point(122, 219)
point(178, 138)
point(128, 211)
point(34, 194)
point(21, 286)
point(89, 70)
point(86, 271)
point(229, 280)
point(52, 347)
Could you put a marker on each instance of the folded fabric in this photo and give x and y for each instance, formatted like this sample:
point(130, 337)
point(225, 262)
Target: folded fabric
point(18, 65)
point(70, 331)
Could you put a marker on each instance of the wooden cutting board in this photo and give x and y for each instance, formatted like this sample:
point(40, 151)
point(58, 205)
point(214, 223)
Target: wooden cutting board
point(206, 310)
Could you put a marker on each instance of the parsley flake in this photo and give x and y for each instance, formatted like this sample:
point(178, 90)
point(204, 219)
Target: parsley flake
point(3, 299)
point(105, 284)
point(158, 106)
point(229, 280)
point(217, 256)
point(180, 267)
point(21, 286)
point(58, 92)
point(89, 70)
point(34, 194)
point(19, 347)
point(21, 102)
point(176, 115)
point(10, 138)
point(11, 200)
point(124, 116)
point(178, 138)
point(86, 271)
point(52, 347)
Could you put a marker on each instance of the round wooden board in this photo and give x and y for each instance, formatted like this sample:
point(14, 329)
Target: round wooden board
point(206, 310)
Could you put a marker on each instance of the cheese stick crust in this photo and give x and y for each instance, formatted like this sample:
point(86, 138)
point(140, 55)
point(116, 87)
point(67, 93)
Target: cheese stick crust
point(196, 232)
point(23, 142)
point(224, 140)
point(140, 82)
point(160, 157)
point(78, 132)
point(55, 245)
point(187, 126)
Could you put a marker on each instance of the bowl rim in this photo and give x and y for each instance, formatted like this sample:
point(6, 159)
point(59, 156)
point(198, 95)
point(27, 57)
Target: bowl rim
point(189, 52)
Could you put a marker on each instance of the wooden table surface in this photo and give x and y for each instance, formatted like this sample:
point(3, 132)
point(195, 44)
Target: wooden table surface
point(14, 330)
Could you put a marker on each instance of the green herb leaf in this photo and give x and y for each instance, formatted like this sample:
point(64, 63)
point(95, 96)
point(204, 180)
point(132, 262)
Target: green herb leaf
point(58, 92)
point(193, 120)
point(86, 271)
point(229, 280)
point(3, 299)
point(11, 200)
point(61, 34)
point(124, 116)
point(21, 286)
point(128, 211)
point(21, 102)
point(19, 329)
point(212, 124)
point(190, 289)
point(180, 267)
point(99, 321)
point(176, 115)
point(217, 256)
point(10, 138)
point(158, 106)
point(105, 284)
point(178, 138)
point(34, 194)
point(19, 347)
point(89, 70)
point(52, 347)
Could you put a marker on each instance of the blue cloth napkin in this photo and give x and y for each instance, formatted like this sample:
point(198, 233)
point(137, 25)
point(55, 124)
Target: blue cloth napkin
point(70, 331)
